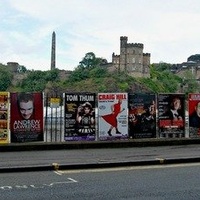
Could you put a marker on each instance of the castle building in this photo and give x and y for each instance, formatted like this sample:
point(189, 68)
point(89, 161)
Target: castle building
point(131, 59)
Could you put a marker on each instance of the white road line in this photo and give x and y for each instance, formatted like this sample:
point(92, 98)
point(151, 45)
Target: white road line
point(58, 173)
point(127, 168)
point(71, 179)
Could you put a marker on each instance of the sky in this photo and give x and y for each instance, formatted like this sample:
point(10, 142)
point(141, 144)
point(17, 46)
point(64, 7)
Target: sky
point(169, 30)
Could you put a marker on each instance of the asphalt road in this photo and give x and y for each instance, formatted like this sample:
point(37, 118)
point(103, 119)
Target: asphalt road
point(97, 158)
point(160, 182)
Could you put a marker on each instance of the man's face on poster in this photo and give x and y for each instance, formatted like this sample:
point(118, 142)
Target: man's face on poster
point(26, 109)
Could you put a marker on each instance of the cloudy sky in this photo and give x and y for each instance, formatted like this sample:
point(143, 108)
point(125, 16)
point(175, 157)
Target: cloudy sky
point(169, 30)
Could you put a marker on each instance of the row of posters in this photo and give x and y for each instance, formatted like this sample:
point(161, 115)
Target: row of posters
point(102, 116)
point(123, 115)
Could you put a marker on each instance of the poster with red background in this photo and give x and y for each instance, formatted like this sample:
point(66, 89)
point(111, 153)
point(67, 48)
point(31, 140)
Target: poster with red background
point(171, 115)
point(194, 115)
point(26, 119)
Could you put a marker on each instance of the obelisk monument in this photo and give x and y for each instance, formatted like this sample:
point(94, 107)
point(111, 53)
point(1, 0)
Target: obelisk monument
point(53, 51)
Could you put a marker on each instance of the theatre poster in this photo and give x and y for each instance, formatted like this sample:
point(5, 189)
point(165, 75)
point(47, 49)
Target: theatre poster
point(142, 115)
point(194, 115)
point(113, 116)
point(171, 115)
point(26, 117)
point(4, 118)
point(79, 120)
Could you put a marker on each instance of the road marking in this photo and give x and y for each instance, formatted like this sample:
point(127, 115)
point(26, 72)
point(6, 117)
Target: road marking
point(37, 186)
point(98, 170)
point(58, 173)
point(73, 180)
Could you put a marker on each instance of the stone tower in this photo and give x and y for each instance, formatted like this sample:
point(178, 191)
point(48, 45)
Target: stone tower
point(132, 59)
point(53, 51)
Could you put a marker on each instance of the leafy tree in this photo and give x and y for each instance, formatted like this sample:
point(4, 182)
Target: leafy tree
point(90, 61)
point(5, 79)
point(78, 74)
point(37, 80)
point(52, 75)
point(162, 66)
point(188, 83)
point(89, 66)
point(21, 69)
point(98, 72)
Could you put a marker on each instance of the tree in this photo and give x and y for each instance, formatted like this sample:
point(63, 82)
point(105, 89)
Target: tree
point(189, 83)
point(88, 67)
point(90, 61)
point(21, 69)
point(37, 80)
point(162, 66)
point(98, 72)
point(5, 79)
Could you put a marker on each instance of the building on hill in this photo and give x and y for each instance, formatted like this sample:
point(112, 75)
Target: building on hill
point(192, 64)
point(13, 66)
point(131, 59)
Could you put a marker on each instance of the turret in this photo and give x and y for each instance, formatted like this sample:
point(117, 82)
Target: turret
point(123, 41)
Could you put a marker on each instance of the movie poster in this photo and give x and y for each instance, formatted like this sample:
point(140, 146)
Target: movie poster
point(4, 118)
point(194, 115)
point(142, 115)
point(113, 116)
point(26, 117)
point(79, 116)
point(171, 115)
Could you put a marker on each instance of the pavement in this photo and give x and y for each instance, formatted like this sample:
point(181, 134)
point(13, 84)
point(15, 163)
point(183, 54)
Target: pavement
point(41, 156)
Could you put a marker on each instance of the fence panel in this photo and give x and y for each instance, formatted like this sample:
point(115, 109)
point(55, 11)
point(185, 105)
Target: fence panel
point(53, 118)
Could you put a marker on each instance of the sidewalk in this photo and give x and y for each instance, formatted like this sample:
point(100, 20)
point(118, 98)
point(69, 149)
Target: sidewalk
point(82, 155)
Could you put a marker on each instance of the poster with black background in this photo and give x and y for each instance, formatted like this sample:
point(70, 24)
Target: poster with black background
point(79, 116)
point(142, 115)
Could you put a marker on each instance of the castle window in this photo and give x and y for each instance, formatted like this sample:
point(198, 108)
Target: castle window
point(133, 68)
point(133, 60)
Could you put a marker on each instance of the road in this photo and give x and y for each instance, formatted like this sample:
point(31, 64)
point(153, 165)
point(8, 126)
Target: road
point(162, 182)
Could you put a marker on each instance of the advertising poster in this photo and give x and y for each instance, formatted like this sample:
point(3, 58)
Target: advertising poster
point(171, 115)
point(79, 116)
point(142, 115)
point(26, 117)
point(4, 119)
point(194, 115)
point(113, 115)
